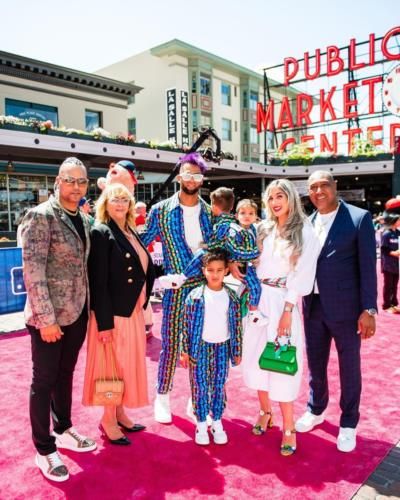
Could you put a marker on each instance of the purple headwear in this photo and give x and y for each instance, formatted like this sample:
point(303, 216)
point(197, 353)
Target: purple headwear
point(194, 159)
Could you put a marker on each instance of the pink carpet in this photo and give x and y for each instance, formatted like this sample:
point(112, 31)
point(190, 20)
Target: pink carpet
point(164, 462)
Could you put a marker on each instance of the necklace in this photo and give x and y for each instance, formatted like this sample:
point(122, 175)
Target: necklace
point(70, 212)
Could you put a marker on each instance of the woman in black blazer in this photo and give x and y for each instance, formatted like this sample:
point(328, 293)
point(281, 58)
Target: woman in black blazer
point(121, 277)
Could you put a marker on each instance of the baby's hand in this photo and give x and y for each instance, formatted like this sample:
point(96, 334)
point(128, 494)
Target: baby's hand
point(184, 359)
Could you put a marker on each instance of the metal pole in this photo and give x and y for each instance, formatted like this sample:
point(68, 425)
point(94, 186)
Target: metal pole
point(396, 170)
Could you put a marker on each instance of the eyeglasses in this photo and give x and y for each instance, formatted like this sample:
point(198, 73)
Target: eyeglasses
point(323, 186)
point(81, 181)
point(116, 201)
point(192, 177)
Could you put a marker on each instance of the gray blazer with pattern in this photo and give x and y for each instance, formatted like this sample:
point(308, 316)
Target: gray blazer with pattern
point(55, 266)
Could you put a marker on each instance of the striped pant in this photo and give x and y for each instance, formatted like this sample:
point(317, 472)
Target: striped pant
point(253, 285)
point(171, 334)
point(207, 380)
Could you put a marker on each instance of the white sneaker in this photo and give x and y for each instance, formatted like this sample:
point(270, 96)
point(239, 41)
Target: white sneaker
point(201, 437)
point(52, 467)
point(162, 409)
point(346, 440)
point(192, 416)
point(308, 421)
point(258, 318)
point(173, 281)
point(219, 435)
point(72, 440)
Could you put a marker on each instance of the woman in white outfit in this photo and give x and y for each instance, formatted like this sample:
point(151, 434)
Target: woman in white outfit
point(289, 251)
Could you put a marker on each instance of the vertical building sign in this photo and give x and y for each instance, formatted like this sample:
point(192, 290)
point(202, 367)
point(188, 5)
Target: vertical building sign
point(185, 118)
point(171, 114)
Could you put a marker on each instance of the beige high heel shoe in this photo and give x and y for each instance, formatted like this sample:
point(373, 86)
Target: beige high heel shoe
point(258, 429)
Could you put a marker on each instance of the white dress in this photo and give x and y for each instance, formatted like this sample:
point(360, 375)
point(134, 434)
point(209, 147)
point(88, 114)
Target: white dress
point(274, 263)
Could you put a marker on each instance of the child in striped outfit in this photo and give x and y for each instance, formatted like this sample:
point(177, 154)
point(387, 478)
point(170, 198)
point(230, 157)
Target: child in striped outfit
point(237, 239)
point(212, 335)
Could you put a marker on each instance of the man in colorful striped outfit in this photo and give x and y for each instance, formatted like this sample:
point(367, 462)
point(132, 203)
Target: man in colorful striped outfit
point(212, 335)
point(183, 224)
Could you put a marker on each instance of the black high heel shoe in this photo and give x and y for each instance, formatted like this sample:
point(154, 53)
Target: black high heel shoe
point(134, 428)
point(122, 441)
point(257, 429)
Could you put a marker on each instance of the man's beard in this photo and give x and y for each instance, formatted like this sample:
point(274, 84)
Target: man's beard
point(190, 191)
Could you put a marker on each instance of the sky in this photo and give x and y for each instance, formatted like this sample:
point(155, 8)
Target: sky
point(88, 35)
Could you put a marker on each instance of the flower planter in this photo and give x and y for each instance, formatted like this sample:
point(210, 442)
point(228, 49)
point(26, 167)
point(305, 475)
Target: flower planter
point(108, 140)
point(321, 160)
point(384, 156)
point(13, 126)
point(361, 158)
point(58, 133)
point(276, 161)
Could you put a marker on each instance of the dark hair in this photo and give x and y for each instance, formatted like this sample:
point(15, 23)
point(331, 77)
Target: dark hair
point(224, 198)
point(211, 256)
point(390, 218)
point(194, 159)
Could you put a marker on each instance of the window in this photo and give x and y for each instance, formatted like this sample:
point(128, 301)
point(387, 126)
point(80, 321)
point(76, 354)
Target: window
point(93, 119)
point(253, 135)
point(246, 135)
point(205, 85)
point(132, 126)
point(131, 99)
point(253, 100)
point(195, 123)
point(245, 99)
point(226, 94)
point(194, 82)
point(226, 129)
point(30, 110)
point(205, 121)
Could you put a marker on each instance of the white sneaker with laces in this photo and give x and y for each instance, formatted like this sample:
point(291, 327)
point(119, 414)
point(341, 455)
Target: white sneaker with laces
point(308, 421)
point(162, 409)
point(52, 467)
point(173, 281)
point(72, 440)
point(346, 440)
point(201, 437)
point(192, 416)
point(219, 435)
point(256, 317)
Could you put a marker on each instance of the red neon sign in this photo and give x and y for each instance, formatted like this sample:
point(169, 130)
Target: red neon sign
point(269, 119)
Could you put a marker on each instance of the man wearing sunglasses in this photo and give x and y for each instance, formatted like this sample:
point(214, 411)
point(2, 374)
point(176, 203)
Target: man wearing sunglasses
point(183, 223)
point(55, 248)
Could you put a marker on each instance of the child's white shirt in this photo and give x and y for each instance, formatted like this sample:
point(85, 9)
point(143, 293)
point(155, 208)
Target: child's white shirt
point(216, 305)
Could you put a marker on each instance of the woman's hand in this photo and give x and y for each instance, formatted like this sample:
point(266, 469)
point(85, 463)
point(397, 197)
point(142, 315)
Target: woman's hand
point(285, 324)
point(105, 336)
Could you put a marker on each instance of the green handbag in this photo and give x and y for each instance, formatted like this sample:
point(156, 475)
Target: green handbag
point(281, 359)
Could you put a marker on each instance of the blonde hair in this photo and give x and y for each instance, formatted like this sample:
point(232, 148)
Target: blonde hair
point(248, 204)
point(293, 228)
point(115, 191)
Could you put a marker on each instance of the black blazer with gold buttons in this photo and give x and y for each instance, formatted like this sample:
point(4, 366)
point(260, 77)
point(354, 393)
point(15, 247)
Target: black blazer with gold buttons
point(116, 276)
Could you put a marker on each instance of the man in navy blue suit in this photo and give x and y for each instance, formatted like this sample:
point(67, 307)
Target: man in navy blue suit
point(342, 305)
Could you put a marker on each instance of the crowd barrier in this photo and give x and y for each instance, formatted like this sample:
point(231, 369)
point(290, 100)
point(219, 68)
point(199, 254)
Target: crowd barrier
point(12, 288)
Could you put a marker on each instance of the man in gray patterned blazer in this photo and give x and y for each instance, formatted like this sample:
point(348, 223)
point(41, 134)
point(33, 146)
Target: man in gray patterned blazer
point(55, 248)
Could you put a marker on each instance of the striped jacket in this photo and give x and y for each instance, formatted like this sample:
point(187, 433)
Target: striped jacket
point(193, 322)
point(166, 221)
point(239, 243)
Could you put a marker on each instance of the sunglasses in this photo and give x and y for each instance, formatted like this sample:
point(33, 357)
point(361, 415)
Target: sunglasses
point(70, 181)
point(192, 177)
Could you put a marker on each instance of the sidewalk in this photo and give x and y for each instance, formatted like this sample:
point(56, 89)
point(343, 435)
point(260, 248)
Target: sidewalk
point(383, 483)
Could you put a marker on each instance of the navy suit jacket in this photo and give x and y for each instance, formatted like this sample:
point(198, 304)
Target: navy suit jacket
point(346, 267)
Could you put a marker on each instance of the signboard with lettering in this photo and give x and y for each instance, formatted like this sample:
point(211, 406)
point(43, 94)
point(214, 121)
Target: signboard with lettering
point(362, 88)
point(171, 115)
point(185, 118)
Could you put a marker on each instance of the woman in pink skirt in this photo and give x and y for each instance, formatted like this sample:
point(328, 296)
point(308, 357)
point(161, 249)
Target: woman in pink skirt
point(121, 277)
